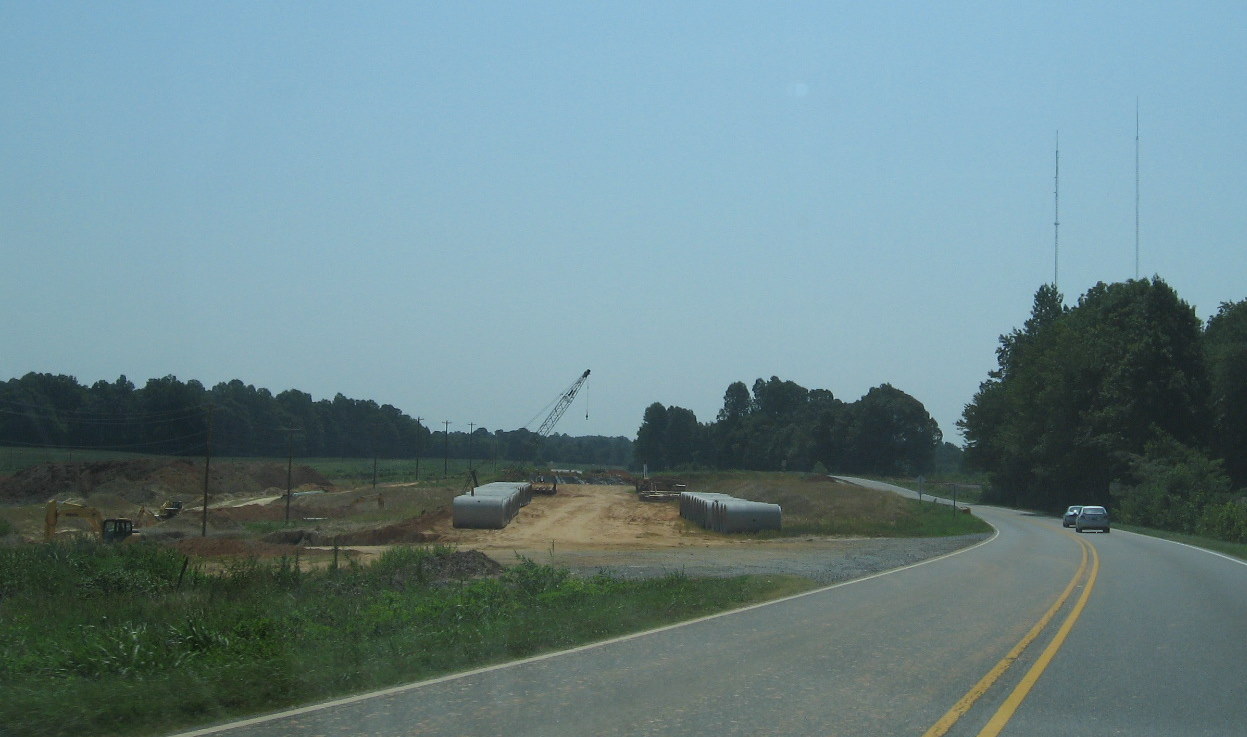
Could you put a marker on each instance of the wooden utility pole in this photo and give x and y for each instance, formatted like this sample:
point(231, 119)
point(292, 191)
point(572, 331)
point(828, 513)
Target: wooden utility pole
point(418, 420)
point(203, 524)
point(446, 457)
point(289, 467)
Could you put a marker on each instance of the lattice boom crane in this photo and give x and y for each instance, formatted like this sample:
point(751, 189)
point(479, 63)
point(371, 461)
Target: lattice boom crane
point(565, 401)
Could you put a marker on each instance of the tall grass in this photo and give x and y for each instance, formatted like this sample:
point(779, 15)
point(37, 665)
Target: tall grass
point(98, 640)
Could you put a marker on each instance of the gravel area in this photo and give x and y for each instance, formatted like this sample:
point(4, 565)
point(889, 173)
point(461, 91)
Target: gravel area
point(822, 560)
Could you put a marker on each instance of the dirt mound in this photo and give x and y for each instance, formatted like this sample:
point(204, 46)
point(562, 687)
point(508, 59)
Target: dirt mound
point(414, 530)
point(211, 547)
point(450, 566)
point(150, 481)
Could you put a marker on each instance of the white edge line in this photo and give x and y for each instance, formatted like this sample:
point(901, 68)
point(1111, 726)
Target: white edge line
point(1230, 558)
point(547, 656)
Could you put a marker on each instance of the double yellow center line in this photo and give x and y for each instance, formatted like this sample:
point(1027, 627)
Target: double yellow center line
point(1011, 704)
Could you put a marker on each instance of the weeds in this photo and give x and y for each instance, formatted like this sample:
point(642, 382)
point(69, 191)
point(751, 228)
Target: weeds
point(145, 656)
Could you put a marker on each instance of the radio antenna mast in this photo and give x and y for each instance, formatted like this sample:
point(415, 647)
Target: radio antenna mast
point(1136, 188)
point(1056, 216)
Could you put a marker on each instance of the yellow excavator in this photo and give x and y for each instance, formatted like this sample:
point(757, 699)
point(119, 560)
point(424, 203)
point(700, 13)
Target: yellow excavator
point(170, 509)
point(110, 530)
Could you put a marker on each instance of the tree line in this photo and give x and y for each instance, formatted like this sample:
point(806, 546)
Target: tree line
point(167, 416)
point(1124, 399)
point(781, 425)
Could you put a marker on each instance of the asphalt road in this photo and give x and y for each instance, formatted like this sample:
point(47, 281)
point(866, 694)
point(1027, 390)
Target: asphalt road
point(1142, 637)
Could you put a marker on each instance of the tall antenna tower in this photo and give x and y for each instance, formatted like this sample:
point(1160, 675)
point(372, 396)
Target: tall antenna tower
point(1136, 188)
point(1056, 216)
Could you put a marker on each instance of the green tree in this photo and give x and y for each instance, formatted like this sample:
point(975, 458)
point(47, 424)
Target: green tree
point(682, 439)
point(651, 439)
point(1225, 341)
point(1081, 390)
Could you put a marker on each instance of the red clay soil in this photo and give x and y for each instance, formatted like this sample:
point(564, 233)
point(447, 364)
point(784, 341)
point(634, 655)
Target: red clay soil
point(214, 547)
point(414, 530)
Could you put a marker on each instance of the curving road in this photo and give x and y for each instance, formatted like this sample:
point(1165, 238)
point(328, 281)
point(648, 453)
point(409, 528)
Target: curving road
point(1126, 635)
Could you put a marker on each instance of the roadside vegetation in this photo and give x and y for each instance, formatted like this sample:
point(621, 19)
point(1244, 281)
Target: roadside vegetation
point(121, 640)
point(1233, 549)
point(1124, 400)
point(817, 505)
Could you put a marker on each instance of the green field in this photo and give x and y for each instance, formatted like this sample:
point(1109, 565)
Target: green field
point(348, 472)
point(815, 505)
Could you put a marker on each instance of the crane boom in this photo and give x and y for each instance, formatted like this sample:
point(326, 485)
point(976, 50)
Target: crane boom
point(565, 401)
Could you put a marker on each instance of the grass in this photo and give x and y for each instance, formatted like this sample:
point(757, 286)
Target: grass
point(968, 488)
point(101, 640)
point(343, 472)
point(1236, 550)
point(816, 505)
point(14, 459)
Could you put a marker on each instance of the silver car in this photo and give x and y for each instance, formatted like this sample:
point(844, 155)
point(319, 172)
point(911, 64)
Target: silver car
point(1091, 518)
point(1071, 515)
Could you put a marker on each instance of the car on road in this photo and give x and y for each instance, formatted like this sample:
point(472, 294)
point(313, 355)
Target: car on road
point(1071, 515)
point(1091, 518)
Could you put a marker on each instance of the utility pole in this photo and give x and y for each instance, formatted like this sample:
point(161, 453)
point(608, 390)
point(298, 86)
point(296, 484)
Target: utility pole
point(1136, 188)
point(471, 425)
point(289, 467)
point(418, 419)
point(446, 457)
point(374, 457)
point(203, 523)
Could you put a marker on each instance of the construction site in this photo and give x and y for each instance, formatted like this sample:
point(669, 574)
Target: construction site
point(585, 519)
point(250, 513)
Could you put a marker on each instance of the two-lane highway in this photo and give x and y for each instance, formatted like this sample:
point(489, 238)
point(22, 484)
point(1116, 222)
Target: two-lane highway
point(1160, 650)
point(886, 655)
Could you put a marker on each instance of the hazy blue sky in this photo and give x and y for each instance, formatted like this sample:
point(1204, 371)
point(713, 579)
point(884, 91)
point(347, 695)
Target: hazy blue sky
point(456, 208)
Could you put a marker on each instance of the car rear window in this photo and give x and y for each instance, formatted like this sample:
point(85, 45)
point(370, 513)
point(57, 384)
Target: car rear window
point(1094, 510)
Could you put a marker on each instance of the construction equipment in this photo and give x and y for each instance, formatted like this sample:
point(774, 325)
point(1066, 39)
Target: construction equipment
point(146, 518)
point(540, 484)
point(564, 401)
point(545, 484)
point(112, 529)
point(170, 509)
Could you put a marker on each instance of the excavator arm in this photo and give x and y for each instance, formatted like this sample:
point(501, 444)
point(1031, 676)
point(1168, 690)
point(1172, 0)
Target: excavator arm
point(55, 510)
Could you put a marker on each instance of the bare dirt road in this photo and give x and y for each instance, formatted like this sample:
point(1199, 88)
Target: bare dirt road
point(584, 517)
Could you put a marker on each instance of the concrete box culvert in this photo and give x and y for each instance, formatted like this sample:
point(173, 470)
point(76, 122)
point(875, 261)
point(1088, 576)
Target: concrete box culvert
point(738, 515)
point(725, 513)
point(522, 490)
point(695, 506)
point(491, 506)
point(488, 512)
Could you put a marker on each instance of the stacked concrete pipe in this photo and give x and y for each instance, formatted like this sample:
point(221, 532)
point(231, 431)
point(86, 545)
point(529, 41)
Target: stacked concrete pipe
point(491, 506)
point(726, 513)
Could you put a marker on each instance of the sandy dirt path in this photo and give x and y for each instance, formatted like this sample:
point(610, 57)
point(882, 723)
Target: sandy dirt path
point(584, 517)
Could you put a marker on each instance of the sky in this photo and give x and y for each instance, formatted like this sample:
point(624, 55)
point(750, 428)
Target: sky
point(457, 208)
